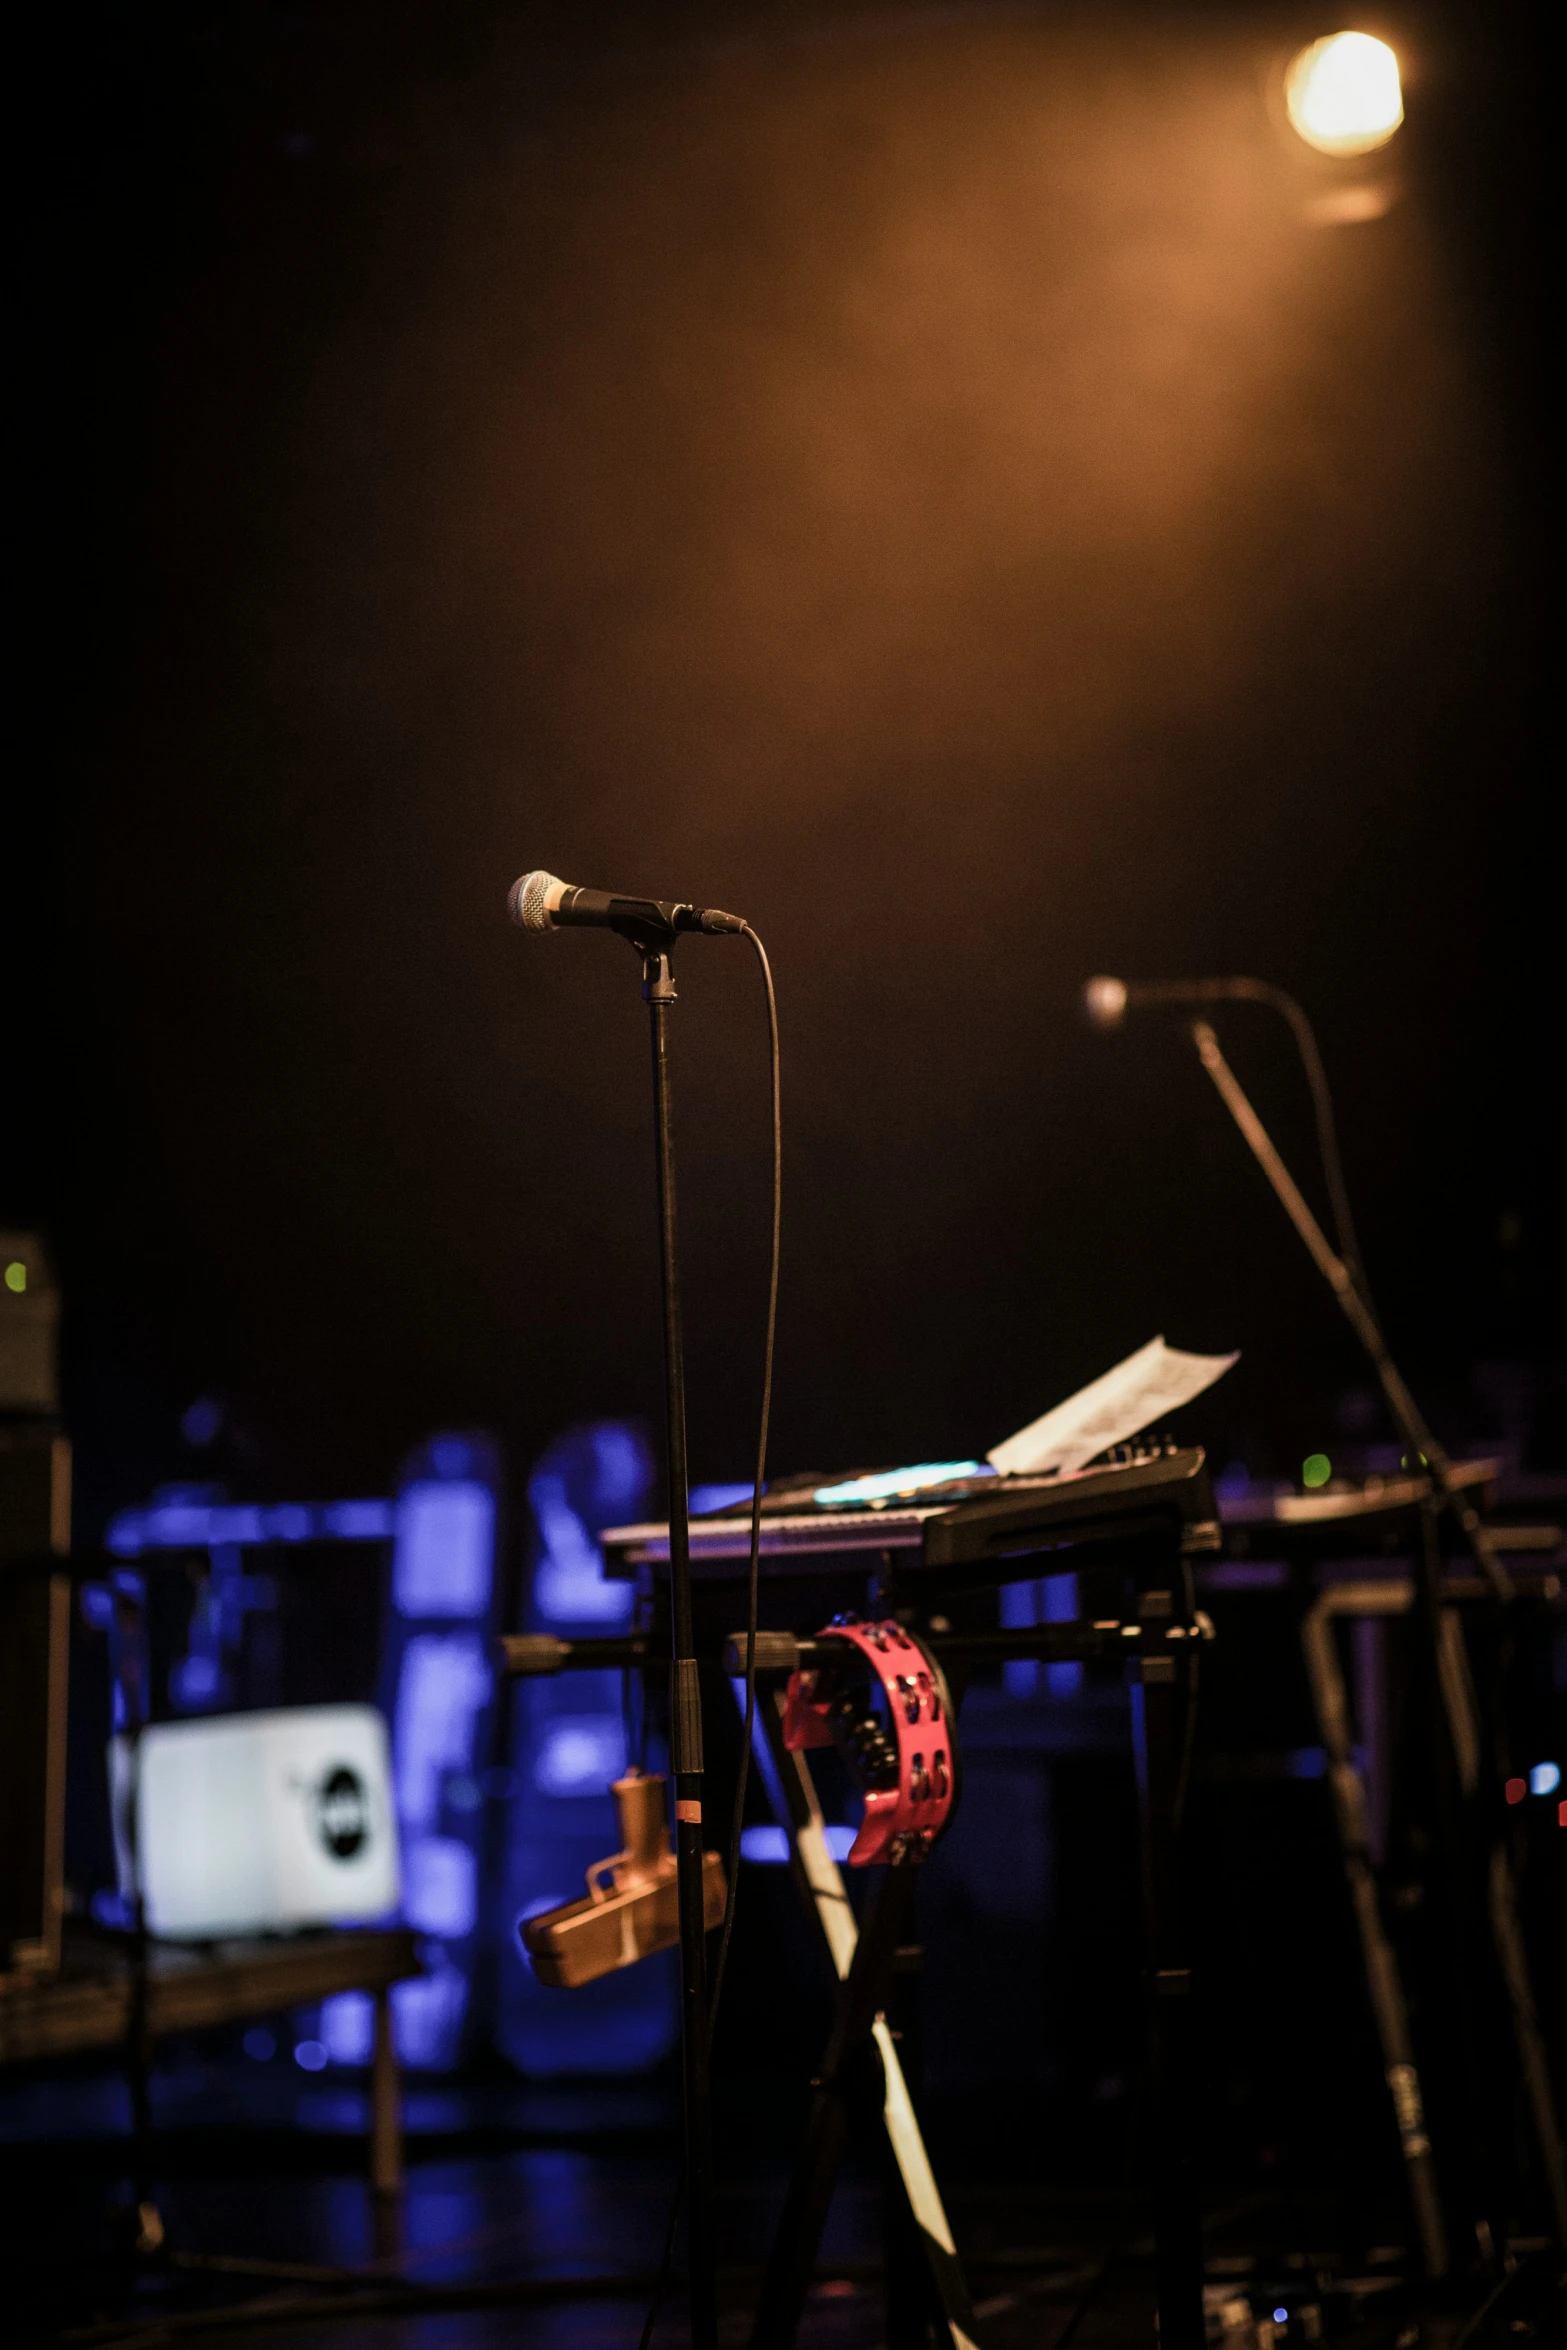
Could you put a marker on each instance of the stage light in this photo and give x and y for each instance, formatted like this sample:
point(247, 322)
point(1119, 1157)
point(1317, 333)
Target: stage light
point(1515, 1790)
point(1315, 1470)
point(1545, 1778)
point(16, 1276)
point(1343, 95)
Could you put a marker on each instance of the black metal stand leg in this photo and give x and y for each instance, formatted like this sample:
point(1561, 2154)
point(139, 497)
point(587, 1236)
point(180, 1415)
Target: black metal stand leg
point(904, 2263)
point(130, 1659)
point(907, 2285)
point(804, 2215)
point(787, 1776)
point(685, 1703)
point(149, 2233)
point(1384, 1982)
point(1488, 1880)
point(1159, 1699)
point(810, 2189)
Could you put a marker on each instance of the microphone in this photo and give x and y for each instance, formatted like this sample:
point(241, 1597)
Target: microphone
point(538, 901)
point(1107, 1001)
point(1104, 1000)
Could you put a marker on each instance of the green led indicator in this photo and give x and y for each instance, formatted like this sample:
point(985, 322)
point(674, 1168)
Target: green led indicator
point(16, 1275)
point(1315, 1469)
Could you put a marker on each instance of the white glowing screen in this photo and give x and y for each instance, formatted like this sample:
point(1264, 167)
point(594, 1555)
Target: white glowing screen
point(251, 1823)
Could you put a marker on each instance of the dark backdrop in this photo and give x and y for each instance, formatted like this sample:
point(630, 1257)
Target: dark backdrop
point(918, 478)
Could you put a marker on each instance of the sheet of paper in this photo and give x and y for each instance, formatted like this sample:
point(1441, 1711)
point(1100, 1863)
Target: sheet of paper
point(1146, 1387)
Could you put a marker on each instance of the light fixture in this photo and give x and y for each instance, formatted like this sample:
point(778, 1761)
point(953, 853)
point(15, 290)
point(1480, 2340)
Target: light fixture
point(1343, 94)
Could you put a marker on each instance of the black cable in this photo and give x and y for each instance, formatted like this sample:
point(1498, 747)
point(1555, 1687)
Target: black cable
point(754, 1577)
point(637, 1681)
point(1123, 2225)
point(1262, 991)
point(1089, 2296)
point(661, 2287)
point(628, 1717)
point(1242, 990)
point(1526, 2271)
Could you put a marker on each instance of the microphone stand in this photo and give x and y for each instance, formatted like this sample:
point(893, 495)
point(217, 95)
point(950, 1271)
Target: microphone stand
point(685, 1700)
point(1457, 1692)
point(1407, 1416)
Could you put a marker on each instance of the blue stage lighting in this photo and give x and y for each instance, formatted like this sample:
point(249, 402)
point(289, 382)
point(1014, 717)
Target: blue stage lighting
point(580, 1754)
point(569, 1583)
point(439, 1686)
point(441, 1887)
point(443, 1564)
point(570, 1740)
point(347, 2027)
point(1049, 1599)
point(768, 1847)
point(706, 1498)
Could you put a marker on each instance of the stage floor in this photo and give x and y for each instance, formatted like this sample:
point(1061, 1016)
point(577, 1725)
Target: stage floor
point(536, 2216)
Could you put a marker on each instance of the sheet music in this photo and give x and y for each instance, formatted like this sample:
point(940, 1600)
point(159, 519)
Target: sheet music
point(1149, 1384)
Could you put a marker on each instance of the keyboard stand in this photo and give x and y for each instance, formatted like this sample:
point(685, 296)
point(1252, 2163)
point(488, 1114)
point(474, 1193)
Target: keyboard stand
point(861, 2036)
point(1159, 1650)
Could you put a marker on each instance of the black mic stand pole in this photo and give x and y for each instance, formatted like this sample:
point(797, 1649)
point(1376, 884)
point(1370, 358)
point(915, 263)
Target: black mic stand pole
point(685, 1701)
point(1407, 1416)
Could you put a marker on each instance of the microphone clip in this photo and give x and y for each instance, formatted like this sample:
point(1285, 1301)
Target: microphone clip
point(653, 924)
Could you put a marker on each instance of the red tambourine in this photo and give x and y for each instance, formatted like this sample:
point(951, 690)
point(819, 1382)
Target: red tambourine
point(905, 1765)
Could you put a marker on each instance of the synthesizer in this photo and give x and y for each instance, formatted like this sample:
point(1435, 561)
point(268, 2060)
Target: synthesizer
point(964, 1525)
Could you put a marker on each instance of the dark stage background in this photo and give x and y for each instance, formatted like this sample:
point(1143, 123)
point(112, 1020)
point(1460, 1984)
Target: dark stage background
point(917, 477)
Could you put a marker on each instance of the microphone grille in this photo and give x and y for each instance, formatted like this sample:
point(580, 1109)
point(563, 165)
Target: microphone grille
point(1104, 1000)
point(528, 901)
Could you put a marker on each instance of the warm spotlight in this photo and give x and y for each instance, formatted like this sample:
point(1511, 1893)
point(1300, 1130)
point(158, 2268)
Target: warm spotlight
point(1343, 94)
